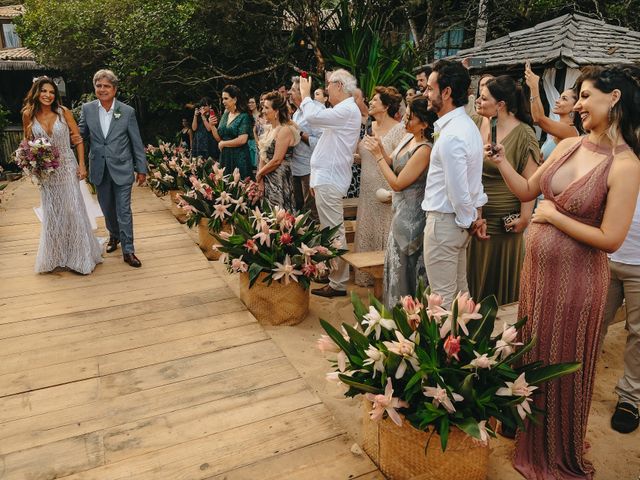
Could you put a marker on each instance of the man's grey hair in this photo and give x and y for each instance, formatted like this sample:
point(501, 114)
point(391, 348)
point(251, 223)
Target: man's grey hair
point(108, 75)
point(347, 80)
point(295, 80)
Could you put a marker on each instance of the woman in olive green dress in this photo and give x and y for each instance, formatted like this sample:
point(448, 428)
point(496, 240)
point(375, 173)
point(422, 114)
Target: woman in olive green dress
point(233, 132)
point(496, 254)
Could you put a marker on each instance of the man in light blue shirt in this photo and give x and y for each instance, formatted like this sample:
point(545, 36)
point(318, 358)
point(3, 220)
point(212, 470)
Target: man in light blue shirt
point(301, 159)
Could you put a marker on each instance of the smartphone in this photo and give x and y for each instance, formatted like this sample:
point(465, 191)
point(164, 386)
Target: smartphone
point(477, 62)
point(494, 132)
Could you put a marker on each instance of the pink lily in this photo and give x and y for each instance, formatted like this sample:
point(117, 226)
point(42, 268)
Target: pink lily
point(405, 348)
point(519, 388)
point(434, 306)
point(221, 211)
point(376, 358)
point(386, 403)
point(505, 346)
point(412, 308)
point(467, 311)
point(238, 265)
point(286, 270)
point(483, 361)
point(440, 397)
point(325, 344)
point(452, 346)
point(264, 235)
point(307, 251)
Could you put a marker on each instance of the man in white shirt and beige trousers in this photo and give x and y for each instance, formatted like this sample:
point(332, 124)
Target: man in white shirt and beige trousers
point(453, 193)
point(331, 161)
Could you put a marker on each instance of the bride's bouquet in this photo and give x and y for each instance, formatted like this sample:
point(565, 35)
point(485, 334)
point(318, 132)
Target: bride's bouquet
point(37, 157)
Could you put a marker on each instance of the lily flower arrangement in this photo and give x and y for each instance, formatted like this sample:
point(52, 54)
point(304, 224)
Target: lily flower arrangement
point(162, 153)
point(438, 368)
point(286, 247)
point(176, 171)
point(221, 198)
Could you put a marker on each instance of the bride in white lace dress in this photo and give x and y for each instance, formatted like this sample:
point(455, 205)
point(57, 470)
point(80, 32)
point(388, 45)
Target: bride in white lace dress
point(66, 238)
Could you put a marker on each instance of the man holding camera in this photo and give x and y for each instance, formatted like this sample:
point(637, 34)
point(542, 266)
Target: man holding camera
point(331, 161)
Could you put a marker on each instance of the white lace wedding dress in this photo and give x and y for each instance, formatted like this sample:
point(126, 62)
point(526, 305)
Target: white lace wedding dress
point(66, 239)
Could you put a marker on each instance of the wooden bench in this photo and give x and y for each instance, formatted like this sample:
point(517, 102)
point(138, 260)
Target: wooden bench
point(371, 263)
point(350, 208)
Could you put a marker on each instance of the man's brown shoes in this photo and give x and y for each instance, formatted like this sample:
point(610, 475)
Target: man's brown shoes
point(132, 260)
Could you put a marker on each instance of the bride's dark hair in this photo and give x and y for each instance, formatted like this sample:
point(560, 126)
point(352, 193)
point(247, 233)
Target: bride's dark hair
point(31, 103)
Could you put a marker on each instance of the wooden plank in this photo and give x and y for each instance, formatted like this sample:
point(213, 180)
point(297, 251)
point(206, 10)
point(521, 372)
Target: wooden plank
point(63, 397)
point(150, 434)
point(184, 347)
point(19, 382)
point(55, 460)
point(113, 344)
point(145, 404)
point(110, 328)
point(199, 294)
point(226, 451)
point(327, 460)
point(30, 285)
point(364, 259)
point(118, 295)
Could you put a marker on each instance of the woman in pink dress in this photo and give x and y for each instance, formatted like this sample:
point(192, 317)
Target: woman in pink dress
point(590, 185)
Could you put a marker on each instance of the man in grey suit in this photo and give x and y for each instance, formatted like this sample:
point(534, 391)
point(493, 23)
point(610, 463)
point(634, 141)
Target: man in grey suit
point(116, 152)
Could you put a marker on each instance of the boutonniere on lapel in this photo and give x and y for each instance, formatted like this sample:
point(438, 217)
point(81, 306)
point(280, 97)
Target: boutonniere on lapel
point(436, 135)
point(117, 113)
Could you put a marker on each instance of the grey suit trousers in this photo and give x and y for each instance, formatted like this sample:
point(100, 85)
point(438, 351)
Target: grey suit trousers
point(115, 201)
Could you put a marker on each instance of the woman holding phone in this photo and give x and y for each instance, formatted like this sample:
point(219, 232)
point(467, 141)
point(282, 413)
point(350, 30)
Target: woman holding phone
point(568, 125)
point(496, 256)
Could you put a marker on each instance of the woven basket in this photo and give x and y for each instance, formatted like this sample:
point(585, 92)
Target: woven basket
point(275, 304)
point(206, 241)
point(400, 453)
point(176, 211)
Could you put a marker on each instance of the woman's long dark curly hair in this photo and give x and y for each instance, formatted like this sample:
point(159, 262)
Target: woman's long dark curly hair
point(31, 103)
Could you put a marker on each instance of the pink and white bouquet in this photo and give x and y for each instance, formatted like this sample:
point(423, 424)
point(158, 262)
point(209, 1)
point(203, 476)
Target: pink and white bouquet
point(287, 248)
point(175, 171)
point(438, 368)
point(38, 157)
point(220, 198)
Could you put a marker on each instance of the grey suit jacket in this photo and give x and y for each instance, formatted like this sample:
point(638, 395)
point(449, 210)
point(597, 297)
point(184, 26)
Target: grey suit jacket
point(122, 150)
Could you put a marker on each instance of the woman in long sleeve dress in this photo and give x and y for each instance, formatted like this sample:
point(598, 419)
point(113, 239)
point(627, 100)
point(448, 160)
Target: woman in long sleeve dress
point(373, 220)
point(590, 186)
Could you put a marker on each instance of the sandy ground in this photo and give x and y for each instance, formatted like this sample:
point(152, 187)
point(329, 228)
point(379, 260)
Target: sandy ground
point(615, 456)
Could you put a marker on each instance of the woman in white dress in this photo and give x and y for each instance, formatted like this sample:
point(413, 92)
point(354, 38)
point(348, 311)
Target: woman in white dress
point(66, 238)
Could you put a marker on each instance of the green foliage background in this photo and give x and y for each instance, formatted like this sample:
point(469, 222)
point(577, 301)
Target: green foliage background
point(169, 53)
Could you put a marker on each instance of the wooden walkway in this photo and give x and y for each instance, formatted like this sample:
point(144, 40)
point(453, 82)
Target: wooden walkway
point(152, 373)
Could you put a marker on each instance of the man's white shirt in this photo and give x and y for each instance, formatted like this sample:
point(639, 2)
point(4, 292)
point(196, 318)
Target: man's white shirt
point(332, 158)
point(105, 117)
point(454, 181)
